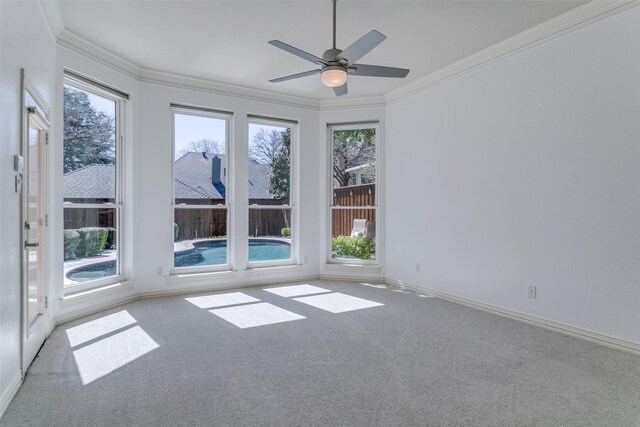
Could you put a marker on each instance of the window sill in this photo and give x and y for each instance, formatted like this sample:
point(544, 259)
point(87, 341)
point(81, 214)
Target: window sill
point(182, 278)
point(280, 269)
point(80, 297)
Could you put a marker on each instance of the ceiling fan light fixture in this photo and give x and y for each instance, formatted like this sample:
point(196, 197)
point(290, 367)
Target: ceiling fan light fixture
point(334, 76)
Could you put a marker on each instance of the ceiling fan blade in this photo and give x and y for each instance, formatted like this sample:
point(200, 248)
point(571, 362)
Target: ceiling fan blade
point(340, 90)
point(295, 76)
point(377, 71)
point(297, 52)
point(362, 46)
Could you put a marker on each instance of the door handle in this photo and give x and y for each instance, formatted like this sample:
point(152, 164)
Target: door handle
point(31, 244)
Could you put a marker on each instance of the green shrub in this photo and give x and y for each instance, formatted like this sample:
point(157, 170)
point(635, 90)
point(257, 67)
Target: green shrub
point(92, 241)
point(71, 243)
point(352, 247)
point(111, 238)
point(286, 232)
point(176, 230)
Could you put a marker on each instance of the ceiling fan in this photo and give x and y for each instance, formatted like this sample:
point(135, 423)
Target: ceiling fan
point(336, 64)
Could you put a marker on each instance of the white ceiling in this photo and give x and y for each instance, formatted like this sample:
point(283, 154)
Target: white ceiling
point(226, 41)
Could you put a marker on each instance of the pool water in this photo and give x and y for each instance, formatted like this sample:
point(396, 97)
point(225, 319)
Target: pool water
point(213, 252)
point(208, 252)
point(93, 271)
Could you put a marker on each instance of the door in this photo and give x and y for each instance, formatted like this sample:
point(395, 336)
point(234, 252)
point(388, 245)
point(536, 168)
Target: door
point(33, 222)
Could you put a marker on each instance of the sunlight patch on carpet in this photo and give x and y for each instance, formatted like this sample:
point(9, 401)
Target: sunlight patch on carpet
point(99, 327)
point(296, 290)
point(249, 316)
point(221, 300)
point(96, 360)
point(379, 286)
point(337, 302)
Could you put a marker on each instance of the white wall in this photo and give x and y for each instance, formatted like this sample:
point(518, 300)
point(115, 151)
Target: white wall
point(527, 172)
point(25, 42)
point(153, 192)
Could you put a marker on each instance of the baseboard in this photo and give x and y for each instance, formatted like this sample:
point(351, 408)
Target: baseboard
point(218, 287)
point(584, 334)
point(342, 278)
point(69, 316)
point(11, 391)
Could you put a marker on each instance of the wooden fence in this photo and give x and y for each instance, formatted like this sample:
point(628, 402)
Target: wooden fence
point(268, 222)
point(75, 218)
point(203, 223)
point(354, 195)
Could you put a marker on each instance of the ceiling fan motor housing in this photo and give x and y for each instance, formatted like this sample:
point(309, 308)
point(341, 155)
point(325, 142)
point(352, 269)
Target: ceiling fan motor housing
point(331, 55)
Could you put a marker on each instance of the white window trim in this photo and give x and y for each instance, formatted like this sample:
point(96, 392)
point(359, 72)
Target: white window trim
point(331, 128)
point(120, 99)
point(294, 179)
point(228, 119)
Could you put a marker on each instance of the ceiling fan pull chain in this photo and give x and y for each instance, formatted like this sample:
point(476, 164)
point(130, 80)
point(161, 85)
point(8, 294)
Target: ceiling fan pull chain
point(334, 23)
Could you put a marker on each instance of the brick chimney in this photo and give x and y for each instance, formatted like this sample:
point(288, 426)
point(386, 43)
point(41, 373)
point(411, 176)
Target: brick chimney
point(216, 167)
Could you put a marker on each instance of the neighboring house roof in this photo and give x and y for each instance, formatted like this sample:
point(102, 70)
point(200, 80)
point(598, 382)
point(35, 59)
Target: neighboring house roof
point(259, 181)
point(90, 182)
point(193, 180)
point(193, 172)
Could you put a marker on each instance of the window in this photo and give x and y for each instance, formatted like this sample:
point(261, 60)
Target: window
point(92, 165)
point(353, 199)
point(201, 183)
point(271, 181)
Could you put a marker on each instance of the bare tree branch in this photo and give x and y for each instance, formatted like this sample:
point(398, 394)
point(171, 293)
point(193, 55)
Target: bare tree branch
point(265, 145)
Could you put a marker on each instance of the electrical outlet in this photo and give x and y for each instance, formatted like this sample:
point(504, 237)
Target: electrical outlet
point(306, 259)
point(417, 268)
point(159, 271)
point(532, 291)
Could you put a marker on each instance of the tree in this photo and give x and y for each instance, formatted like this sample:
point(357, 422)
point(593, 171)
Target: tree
point(89, 134)
point(280, 171)
point(204, 145)
point(353, 147)
point(264, 145)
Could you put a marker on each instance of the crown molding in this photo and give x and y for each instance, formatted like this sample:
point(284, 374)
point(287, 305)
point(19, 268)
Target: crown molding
point(53, 17)
point(542, 33)
point(73, 42)
point(202, 85)
point(562, 24)
point(79, 45)
point(353, 103)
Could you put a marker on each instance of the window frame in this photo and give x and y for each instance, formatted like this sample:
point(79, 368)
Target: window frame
point(120, 99)
point(294, 179)
point(228, 119)
point(336, 127)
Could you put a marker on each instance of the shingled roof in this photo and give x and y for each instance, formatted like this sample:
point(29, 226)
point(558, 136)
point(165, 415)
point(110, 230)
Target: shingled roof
point(193, 180)
point(90, 182)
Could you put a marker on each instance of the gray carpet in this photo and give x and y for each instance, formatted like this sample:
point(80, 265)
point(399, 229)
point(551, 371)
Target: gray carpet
point(414, 361)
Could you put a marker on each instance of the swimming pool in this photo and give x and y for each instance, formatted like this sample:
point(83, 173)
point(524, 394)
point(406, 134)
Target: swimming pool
point(92, 271)
point(205, 252)
point(214, 252)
